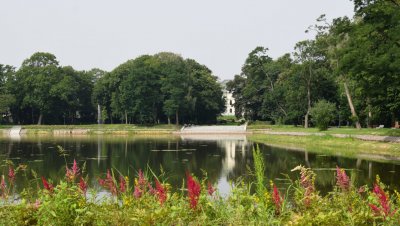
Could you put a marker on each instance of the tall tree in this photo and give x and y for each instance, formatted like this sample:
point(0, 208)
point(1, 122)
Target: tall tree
point(37, 75)
point(174, 83)
point(7, 99)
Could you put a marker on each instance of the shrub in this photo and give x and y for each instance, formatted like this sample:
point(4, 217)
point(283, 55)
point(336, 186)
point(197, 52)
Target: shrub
point(148, 203)
point(322, 114)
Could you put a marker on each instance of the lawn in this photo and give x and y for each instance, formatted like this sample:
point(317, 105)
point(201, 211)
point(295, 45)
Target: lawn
point(331, 130)
point(350, 147)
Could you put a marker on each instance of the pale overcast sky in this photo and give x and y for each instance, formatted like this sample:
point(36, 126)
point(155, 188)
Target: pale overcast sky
point(104, 33)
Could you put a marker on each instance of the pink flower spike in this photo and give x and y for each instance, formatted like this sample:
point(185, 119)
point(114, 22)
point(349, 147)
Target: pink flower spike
point(342, 180)
point(122, 184)
point(83, 185)
point(137, 193)
point(75, 168)
point(11, 174)
point(194, 190)
point(47, 185)
point(210, 189)
point(161, 192)
point(277, 199)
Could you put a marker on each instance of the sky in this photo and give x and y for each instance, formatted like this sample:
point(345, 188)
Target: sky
point(103, 34)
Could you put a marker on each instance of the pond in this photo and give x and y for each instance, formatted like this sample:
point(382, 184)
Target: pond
point(224, 158)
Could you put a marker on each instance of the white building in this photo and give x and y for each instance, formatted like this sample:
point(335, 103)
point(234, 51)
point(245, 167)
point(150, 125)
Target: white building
point(230, 101)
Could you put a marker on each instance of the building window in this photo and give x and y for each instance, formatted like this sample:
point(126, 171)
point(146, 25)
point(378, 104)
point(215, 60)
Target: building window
point(230, 110)
point(230, 102)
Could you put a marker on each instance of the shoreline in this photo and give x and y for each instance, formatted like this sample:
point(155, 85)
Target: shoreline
point(122, 129)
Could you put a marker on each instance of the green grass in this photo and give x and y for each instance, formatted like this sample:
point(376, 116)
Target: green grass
point(332, 130)
point(350, 147)
point(104, 128)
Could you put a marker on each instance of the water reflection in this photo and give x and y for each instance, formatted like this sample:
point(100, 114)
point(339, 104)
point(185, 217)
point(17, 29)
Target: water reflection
point(224, 158)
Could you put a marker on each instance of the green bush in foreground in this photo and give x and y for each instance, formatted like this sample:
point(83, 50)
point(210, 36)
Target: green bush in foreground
point(145, 200)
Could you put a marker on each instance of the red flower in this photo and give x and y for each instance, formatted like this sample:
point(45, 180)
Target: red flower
point(11, 174)
point(210, 189)
point(194, 190)
point(109, 183)
point(161, 192)
point(384, 203)
point(277, 199)
point(122, 184)
point(342, 180)
point(375, 209)
point(3, 185)
point(47, 185)
point(142, 185)
point(142, 180)
point(83, 185)
point(137, 193)
point(72, 173)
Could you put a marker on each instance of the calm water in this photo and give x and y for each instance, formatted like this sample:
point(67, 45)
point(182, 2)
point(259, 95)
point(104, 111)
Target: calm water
point(224, 158)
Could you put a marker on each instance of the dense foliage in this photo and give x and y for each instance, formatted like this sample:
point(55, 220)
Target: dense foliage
point(323, 114)
point(148, 200)
point(145, 90)
point(353, 63)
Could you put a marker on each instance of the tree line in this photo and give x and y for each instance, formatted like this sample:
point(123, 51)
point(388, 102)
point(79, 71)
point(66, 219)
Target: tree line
point(150, 89)
point(354, 64)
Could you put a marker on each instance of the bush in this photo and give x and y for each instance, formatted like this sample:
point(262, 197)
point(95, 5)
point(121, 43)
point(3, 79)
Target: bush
point(148, 201)
point(322, 114)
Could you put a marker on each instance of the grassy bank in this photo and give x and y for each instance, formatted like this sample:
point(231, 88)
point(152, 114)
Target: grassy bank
point(333, 146)
point(332, 130)
point(100, 129)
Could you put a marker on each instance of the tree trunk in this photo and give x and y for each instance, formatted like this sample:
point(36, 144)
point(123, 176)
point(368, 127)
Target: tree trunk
point(40, 119)
point(98, 114)
point(308, 105)
point(169, 120)
point(352, 109)
point(177, 117)
point(308, 97)
point(126, 118)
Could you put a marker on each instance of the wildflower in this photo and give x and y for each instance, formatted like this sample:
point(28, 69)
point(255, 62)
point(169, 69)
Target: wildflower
point(72, 173)
point(161, 192)
point(3, 187)
point(277, 199)
point(142, 180)
point(307, 178)
point(384, 202)
point(342, 180)
point(141, 185)
point(109, 183)
point(122, 184)
point(47, 185)
point(194, 190)
point(151, 189)
point(210, 189)
point(137, 193)
point(83, 185)
point(11, 174)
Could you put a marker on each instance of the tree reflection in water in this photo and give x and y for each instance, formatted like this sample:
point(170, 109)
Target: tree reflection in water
point(224, 158)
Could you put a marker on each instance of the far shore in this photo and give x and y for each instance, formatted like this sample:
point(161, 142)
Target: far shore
point(366, 134)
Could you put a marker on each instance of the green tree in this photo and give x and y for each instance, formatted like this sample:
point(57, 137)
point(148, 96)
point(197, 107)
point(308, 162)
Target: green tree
point(174, 84)
point(7, 99)
point(205, 98)
point(323, 113)
point(37, 75)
